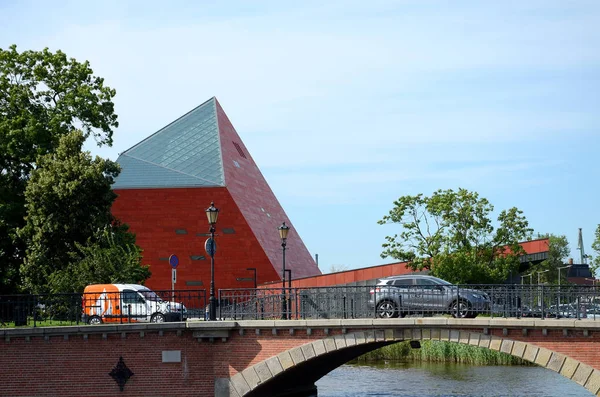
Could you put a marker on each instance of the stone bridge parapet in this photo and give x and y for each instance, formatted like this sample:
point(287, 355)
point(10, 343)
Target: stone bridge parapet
point(253, 358)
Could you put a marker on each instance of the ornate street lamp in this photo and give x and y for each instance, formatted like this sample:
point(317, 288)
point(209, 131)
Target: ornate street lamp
point(283, 233)
point(212, 214)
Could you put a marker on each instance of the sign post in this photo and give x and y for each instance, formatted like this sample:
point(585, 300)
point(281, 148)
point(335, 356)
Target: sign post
point(173, 261)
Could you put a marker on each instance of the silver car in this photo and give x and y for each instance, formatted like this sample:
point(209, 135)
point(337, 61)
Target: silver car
point(398, 296)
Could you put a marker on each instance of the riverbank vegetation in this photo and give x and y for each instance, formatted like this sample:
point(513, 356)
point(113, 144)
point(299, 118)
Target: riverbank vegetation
point(439, 351)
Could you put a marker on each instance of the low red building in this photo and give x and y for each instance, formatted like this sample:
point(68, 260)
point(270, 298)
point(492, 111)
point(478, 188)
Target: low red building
point(170, 178)
point(535, 252)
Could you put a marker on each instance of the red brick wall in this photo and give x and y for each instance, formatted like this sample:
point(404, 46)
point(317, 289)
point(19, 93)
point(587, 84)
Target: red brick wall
point(155, 214)
point(392, 269)
point(78, 366)
point(575, 345)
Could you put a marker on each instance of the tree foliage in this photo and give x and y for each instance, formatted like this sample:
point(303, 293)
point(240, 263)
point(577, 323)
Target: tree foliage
point(43, 96)
point(338, 268)
point(110, 256)
point(68, 199)
point(596, 258)
point(451, 234)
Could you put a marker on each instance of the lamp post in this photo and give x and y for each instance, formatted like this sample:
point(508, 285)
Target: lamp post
point(540, 292)
point(212, 214)
point(289, 299)
point(283, 233)
point(253, 269)
point(254, 277)
point(559, 269)
point(289, 273)
point(558, 307)
point(530, 275)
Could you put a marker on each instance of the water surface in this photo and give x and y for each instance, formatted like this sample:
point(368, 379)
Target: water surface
point(446, 380)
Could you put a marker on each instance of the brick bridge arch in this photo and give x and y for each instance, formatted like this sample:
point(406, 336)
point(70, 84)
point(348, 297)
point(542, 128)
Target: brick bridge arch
point(252, 357)
point(300, 367)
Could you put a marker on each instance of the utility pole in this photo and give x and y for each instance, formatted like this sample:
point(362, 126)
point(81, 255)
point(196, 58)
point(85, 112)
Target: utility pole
point(581, 249)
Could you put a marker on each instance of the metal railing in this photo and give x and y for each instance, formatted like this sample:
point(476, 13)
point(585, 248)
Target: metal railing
point(337, 302)
point(95, 308)
point(463, 301)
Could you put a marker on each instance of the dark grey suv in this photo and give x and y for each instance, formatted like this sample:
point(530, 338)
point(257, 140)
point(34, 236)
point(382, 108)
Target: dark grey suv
point(420, 294)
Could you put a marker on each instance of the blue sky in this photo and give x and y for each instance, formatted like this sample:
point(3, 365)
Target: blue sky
point(348, 105)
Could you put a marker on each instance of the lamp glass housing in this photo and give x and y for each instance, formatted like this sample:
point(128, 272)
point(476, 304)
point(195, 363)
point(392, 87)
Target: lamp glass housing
point(212, 214)
point(283, 231)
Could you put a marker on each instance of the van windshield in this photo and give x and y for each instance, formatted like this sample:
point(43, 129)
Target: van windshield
point(150, 295)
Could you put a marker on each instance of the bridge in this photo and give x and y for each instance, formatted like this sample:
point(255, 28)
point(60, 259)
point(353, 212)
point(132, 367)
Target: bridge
point(263, 357)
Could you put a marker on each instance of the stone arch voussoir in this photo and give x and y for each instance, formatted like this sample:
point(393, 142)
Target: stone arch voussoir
point(244, 382)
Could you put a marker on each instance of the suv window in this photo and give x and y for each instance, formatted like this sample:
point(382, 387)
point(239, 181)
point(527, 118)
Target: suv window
point(405, 282)
point(425, 283)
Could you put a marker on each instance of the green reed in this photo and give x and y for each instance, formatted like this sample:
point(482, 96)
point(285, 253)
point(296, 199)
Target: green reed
point(439, 351)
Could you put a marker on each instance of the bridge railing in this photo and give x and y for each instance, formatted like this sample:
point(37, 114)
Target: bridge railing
point(115, 307)
point(464, 301)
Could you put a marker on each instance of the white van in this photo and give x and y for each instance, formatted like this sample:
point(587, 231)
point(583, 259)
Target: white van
point(110, 303)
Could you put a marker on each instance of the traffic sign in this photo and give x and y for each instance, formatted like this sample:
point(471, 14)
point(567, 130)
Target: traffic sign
point(173, 261)
point(174, 275)
point(210, 246)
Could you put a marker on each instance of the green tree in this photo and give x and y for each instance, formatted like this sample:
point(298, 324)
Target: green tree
point(110, 256)
point(451, 235)
point(595, 264)
point(558, 252)
point(43, 96)
point(68, 201)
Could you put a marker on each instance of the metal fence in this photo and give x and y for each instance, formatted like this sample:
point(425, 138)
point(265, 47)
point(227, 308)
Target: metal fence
point(337, 302)
point(95, 308)
point(463, 301)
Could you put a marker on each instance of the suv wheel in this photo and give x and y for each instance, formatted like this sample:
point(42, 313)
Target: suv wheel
point(460, 309)
point(387, 309)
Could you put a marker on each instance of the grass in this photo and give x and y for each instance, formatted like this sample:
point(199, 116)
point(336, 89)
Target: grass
point(40, 323)
point(438, 351)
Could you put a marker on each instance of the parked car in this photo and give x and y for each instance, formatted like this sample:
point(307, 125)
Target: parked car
point(128, 302)
point(401, 295)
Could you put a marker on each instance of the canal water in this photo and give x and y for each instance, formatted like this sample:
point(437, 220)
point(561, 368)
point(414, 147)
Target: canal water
point(445, 380)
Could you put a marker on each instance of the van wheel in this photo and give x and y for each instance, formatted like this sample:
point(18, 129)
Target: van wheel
point(94, 320)
point(157, 318)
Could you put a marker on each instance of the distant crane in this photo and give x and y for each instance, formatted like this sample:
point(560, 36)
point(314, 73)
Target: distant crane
point(581, 249)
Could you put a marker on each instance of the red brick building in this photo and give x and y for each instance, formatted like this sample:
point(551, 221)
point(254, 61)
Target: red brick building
point(170, 178)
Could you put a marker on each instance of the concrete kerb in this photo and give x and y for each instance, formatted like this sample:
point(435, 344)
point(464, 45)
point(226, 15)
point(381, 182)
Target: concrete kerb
point(357, 323)
point(258, 323)
point(510, 323)
point(286, 324)
point(549, 323)
point(393, 322)
point(588, 324)
point(432, 321)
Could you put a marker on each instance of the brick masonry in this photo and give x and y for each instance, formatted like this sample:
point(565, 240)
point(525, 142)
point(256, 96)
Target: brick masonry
point(76, 361)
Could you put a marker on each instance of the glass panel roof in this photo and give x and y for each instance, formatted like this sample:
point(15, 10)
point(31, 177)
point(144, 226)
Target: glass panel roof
point(186, 152)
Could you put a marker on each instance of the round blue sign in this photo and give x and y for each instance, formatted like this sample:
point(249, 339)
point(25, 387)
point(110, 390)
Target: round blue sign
point(173, 261)
point(210, 246)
